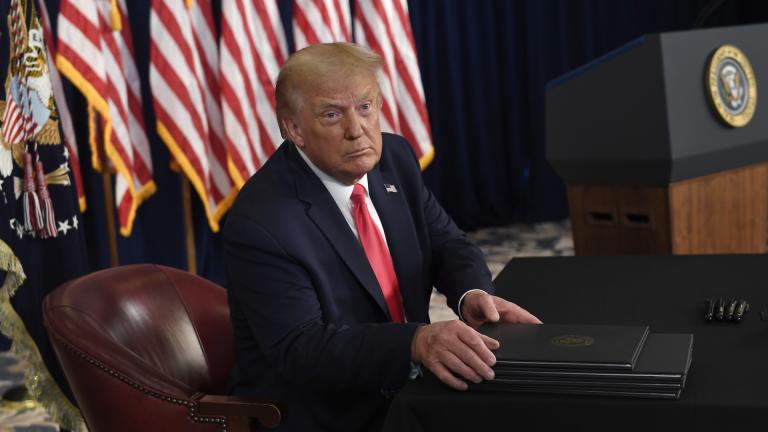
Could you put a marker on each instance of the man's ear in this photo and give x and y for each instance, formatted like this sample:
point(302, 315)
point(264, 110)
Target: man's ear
point(292, 131)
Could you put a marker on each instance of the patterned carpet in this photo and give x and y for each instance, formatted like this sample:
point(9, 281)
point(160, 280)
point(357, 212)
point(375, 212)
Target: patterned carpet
point(498, 244)
point(19, 416)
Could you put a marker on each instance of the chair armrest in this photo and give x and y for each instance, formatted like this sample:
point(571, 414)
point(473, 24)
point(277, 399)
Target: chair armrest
point(267, 412)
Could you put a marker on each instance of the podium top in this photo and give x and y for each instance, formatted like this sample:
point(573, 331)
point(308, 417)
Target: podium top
point(642, 113)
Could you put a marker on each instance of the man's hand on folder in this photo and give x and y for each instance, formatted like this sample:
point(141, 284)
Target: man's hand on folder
point(479, 307)
point(452, 349)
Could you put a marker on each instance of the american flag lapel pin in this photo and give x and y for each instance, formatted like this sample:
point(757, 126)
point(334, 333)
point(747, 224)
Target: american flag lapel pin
point(390, 188)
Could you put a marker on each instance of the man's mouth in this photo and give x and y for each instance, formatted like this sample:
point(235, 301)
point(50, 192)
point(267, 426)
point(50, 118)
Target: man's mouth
point(358, 152)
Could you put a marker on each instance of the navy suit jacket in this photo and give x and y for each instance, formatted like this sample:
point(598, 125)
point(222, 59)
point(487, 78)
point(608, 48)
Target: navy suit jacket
point(311, 325)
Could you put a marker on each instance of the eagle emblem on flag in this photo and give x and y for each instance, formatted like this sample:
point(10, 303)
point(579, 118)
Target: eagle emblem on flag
point(29, 111)
point(29, 119)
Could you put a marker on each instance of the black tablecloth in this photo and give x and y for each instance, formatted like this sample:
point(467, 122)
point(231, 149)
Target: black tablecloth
point(727, 386)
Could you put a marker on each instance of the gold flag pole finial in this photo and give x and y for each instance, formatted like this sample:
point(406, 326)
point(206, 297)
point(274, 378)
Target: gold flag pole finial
point(189, 3)
point(116, 22)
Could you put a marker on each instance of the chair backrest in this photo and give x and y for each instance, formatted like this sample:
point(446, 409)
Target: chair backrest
point(138, 341)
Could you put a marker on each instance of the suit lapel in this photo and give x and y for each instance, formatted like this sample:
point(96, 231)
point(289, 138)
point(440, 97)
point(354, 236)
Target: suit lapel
point(324, 212)
point(389, 199)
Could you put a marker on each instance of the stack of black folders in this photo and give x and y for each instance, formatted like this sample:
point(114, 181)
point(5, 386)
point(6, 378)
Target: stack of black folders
point(600, 360)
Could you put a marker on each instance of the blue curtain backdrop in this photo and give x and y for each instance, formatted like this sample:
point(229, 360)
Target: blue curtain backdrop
point(484, 66)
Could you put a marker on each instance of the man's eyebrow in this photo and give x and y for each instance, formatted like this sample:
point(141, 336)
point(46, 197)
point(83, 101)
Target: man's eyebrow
point(371, 94)
point(330, 104)
point(333, 103)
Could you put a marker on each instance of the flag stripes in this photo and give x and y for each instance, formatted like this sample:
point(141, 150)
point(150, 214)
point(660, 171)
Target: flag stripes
point(384, 26)
point(70, 139)
point(79, 58)
point(213, 94)
point(126, 144)
point(18, 125)
point(95, 51)
point(320, 21)
point(253, 48)
point(13, 123)
point(184, 80)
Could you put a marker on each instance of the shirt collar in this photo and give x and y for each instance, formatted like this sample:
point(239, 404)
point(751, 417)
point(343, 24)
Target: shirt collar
point(338, 190)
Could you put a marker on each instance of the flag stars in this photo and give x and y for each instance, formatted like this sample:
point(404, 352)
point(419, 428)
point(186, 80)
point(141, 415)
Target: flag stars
point(64, 226)
point(74, 222)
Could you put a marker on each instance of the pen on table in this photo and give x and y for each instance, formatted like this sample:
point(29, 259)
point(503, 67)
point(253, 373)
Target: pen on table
point(710, 310)
point(720, 309)
point(742, 308)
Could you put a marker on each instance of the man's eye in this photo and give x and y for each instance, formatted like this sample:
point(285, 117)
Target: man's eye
point(366, 106)
point(331, 115)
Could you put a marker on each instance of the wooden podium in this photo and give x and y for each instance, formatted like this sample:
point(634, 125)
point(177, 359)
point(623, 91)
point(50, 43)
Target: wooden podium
point(650, 167)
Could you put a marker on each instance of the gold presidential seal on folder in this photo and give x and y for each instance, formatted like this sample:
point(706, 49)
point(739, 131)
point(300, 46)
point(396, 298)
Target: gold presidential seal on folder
point(732, 85)
point(572, 340)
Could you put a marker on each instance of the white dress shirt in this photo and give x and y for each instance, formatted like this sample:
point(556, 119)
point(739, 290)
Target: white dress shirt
point(341, 195)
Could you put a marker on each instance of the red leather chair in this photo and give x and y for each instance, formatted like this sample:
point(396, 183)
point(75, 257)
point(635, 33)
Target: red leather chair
point(145, 347)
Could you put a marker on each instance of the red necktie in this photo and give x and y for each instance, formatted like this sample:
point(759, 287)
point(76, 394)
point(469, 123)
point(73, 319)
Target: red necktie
point(377, 252)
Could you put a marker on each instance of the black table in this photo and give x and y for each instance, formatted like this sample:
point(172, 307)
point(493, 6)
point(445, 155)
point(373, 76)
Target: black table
point(727, 386)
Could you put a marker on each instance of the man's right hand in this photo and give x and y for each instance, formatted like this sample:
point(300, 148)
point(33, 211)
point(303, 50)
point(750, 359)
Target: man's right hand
point(452, 348)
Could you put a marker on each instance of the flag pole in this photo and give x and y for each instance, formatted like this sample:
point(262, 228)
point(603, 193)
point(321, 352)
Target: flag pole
point(109, 201)
point(186, 199)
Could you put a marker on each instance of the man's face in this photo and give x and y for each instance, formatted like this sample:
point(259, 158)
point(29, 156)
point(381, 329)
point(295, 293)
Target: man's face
point(338, 128)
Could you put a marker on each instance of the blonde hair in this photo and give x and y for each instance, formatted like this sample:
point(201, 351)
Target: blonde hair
point(320, 63)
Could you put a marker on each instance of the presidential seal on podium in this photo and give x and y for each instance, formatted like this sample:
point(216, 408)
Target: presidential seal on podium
point(732, 85)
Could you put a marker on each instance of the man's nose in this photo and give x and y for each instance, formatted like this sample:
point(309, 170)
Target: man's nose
point(353, 127)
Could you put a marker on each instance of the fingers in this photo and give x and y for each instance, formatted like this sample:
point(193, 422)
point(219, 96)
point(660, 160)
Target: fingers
point(479, 307)
point(532, 319)
point(488, 309)
point(452, 348)
point(447, 377)
point(479, 366)
point(479, 349)
point(461, 367)
point(522, 316)
point(490, 342)
point(513, 313)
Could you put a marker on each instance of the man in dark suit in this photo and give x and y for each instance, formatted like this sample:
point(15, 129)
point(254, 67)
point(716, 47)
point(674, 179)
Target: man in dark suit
point(332, 250)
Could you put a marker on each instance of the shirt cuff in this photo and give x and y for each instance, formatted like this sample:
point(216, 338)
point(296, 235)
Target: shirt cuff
point(461, 300)
point(415, 371)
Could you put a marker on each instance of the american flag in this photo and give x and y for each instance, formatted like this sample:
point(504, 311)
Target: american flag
point(13, 129)
point(321, 21)
point(95, 52)
point(70, 139)
point(253, 48)
point(18, 125)
point(384, 26)
point(183, 76)
point(33, 263)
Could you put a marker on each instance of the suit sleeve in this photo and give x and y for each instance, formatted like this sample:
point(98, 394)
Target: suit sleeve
point(276, 298)
point(458, 264)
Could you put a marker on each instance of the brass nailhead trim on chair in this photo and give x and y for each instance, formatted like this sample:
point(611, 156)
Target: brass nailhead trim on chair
point(191, 406)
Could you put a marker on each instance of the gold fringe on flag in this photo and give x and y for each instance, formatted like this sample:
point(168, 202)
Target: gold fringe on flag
point(38, 380)
point(114, 17)
point(14, 274)
point(59, 176)
point(189, 3)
